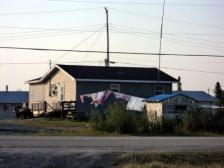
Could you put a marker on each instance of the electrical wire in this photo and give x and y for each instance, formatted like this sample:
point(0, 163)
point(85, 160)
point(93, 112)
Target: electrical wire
point(142, 3)
point(94, 43)
point(81, 42)
point(112, 52)
point(50, 11)
point(167, 19)
point(41, 28)
point(177, 41)
point(182, 69)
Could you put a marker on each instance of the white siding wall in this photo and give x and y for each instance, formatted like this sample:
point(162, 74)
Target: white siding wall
point(36, 93)
point(40, 92)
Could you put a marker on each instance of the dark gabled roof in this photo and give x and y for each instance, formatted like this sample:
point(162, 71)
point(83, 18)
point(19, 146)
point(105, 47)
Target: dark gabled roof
point(14, 97)
point(115, 73)
point(200, 96)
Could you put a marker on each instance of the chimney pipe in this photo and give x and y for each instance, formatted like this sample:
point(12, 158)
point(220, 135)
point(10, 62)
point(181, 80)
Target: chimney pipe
point(6, 88)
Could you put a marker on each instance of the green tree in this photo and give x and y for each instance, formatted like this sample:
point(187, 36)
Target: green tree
point(179, 84)
point(219, 93)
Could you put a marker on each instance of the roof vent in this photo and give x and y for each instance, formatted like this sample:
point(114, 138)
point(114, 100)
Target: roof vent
point(6, 88)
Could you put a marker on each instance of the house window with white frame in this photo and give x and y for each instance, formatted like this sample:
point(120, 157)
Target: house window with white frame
point(115, 87)
point(158, 89)
point(63, 92)
point(53, 90)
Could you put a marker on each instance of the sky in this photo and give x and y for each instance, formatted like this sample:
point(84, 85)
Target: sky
point(190, 27)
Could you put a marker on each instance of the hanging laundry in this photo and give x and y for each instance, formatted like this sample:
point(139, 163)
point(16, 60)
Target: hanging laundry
point(106, 95)
point(83, 96)
point(136, 104)
point(98, 98)
point(122, 96)
point(93, 97)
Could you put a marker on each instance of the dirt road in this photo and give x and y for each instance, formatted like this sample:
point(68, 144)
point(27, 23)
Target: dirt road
point(32, 151)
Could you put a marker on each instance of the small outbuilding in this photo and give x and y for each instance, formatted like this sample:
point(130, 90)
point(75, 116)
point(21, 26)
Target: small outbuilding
point(202, 98)
point(170, 105)
point(174, 104)
point(11, 99)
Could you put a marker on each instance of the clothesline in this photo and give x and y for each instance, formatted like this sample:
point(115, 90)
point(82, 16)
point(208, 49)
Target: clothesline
point(133, 103)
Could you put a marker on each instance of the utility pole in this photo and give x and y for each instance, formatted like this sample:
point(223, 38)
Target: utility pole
point(50, 64)
point(161, 36)
point(107, 60)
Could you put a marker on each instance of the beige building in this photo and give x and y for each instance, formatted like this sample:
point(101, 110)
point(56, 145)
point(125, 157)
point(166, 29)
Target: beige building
point(56, 86)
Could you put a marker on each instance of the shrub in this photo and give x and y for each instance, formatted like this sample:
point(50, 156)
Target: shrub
point(143, 124)
point(218, 122)
point(198, 120)
point(118, 119)
point(97, 120)
point(169, 125)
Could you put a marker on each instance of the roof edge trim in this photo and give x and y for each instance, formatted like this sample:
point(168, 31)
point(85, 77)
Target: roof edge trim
point(123, 81)
point(47, 74)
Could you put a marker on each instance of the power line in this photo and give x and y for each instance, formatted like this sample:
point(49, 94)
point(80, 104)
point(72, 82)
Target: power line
point(128, 63)
point(94, 43)
point(182, 69)
point(45, 34)
point(84, 40)
point(22, 63)
point(50, 11)
point(167, 19)
point(143, 3)
point(30, 63)
point(112, 52)
point(41, 28)
point(179, 41)
point(168, 61)
point(193, 70)
point(147, 32)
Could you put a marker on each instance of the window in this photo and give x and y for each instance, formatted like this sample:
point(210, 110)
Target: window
point(53, 90)
point(6, 107)
point(180, 107)
point(158, 89)
point(115, 87)
point(62, 92)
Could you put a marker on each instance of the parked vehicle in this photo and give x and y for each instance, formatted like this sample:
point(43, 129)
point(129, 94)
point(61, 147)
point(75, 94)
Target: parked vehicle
point(23, 112)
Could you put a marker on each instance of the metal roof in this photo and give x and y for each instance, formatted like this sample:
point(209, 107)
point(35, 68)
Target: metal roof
point(14, 97)
point(161, 97)
point(198, 95)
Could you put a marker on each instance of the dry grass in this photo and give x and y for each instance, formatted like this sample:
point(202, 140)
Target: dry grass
point(172, 160)
point(162, 165)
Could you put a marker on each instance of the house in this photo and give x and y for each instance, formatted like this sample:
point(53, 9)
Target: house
point(9, 100)
point(68, 82)
point(174, 104)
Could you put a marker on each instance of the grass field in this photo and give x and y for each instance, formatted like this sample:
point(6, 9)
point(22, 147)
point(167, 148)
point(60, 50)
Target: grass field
point(52, 127)
point(58, 127)
point(172, 160)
